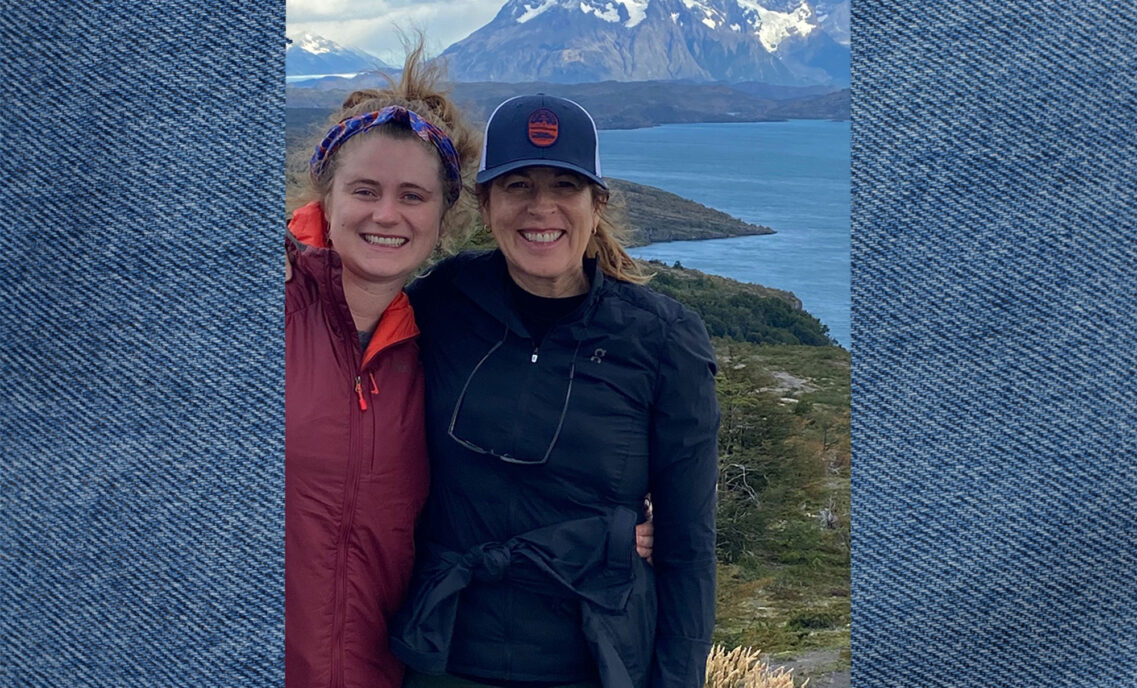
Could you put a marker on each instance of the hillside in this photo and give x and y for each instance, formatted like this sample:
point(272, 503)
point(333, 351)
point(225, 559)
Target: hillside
point(655, 215)
point(784, 473)
point(744, 312)
point(784, 504)
point(617, 105)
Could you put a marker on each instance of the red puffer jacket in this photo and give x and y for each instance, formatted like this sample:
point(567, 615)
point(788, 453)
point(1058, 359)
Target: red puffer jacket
point(356, 479)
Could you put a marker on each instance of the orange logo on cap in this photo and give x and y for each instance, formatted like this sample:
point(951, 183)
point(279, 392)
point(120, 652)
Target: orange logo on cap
point(543, 128)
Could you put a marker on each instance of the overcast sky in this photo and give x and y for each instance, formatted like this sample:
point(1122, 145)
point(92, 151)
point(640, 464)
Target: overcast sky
point(372, 25)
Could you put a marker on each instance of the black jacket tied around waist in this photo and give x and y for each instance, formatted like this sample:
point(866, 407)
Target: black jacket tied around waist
point(590, 560)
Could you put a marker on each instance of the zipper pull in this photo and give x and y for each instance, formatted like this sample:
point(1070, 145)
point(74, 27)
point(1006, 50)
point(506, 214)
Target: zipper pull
point(359, 393)
point(533, 358)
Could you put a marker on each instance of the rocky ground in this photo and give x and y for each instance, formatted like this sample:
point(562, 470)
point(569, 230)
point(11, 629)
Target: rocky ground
point(823, 668)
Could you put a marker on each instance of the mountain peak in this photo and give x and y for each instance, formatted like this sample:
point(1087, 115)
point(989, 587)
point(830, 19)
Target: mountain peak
point(311, 43)
point(311, 54)
point(784, 42)
point(629, 13)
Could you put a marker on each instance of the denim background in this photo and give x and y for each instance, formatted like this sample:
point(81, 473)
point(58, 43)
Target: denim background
point(141, 397)
point(994, 344)
point(994, 329)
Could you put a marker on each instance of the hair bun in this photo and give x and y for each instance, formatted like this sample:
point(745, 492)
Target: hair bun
point(356, 97)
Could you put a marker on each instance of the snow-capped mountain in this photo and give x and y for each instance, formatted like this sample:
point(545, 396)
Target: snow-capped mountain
point(309, 54)
point(785, 42)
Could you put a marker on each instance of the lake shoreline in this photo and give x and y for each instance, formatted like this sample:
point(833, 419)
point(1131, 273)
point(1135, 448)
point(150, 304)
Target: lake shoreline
point(790, 176)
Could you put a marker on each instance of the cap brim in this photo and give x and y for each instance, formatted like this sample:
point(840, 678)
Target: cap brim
point(491, 174)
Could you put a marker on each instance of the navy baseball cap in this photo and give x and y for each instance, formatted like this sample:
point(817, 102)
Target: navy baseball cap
point(540, 130)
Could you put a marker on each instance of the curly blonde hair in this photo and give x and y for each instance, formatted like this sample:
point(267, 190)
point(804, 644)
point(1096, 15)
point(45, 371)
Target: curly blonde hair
point(419, 90)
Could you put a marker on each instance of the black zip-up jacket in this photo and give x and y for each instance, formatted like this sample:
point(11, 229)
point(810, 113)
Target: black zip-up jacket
point(527, 569)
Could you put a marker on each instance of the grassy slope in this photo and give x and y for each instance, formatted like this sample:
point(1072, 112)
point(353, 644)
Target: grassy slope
point(784, 463)
point(784, 460)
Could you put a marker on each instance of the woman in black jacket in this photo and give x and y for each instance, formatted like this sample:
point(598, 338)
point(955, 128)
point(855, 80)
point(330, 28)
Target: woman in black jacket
point(560, 390)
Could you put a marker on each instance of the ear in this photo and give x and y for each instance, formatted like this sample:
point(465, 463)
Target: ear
point(484, 209)
point(599, 198)
point(599, 204)
point(326, 228)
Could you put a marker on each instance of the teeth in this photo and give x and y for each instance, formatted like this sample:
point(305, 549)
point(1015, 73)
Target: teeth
point(542, 237)
point(384, 240)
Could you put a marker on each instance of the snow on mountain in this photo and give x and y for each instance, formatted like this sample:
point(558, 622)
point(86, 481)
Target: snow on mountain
point(708, 15)
point(311, 43)
point(535, 10)
point(309, 54)
point(637, 11)
point(609, 11)
point(786, 42)
point(774, 27)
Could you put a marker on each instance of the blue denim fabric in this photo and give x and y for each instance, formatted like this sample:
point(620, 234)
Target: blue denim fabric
point(994, 344)
point(141, 397)
point(994, 328)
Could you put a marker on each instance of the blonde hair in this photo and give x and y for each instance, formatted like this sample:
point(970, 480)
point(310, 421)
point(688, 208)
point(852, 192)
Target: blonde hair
point(607, 244)
point(418, 90)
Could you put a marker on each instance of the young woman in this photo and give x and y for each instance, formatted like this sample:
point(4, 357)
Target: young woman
point(559, 391)
point(386, 179)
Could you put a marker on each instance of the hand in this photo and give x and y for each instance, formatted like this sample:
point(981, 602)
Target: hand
point(645, 533)
point(645, 540)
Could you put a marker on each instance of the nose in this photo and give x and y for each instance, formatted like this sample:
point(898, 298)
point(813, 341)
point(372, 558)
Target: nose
point(541, 202)
point(384, 210)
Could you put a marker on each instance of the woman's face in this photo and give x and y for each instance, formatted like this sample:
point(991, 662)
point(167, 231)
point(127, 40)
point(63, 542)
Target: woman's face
point(385, 207)
point(542, 218)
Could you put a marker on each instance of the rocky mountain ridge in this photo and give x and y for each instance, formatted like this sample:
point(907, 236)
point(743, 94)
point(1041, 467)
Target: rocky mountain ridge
point(778, 42)
point(784, 42)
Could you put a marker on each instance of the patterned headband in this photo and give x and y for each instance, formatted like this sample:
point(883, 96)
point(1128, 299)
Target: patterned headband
point(426, 131)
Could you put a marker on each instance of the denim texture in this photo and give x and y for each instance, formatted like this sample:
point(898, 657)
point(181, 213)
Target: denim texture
point(994, 330)
point(142, 388)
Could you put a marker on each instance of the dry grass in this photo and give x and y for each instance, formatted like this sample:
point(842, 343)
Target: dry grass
point(742, 668)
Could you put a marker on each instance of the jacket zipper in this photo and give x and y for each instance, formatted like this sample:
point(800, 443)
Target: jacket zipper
point(359, 395)
point(355, 468)
point(355, 461)
point(358, 385)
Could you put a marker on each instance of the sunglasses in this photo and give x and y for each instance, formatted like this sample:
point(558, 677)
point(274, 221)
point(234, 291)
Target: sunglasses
point(509, 458)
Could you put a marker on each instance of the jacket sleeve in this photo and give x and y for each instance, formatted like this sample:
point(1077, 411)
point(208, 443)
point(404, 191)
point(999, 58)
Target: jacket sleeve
point(426, 292)
point(684, 476)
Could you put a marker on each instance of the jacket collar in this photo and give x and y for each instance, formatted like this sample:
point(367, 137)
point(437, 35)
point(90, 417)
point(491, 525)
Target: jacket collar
point(308, 224)
point(484, 282)
point(396, 324)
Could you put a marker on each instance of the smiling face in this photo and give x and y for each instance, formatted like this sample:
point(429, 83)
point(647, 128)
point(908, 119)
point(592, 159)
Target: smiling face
point(384, 209)
point(542, 218)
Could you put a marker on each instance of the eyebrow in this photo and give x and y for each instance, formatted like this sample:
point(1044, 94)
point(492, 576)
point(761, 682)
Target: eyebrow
point(372, 182)
point(361, 180)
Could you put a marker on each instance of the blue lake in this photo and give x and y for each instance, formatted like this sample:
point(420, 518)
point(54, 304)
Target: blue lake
point(790, 176)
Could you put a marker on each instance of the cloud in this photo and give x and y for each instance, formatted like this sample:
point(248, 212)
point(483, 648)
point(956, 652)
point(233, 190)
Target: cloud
point(374, 26)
